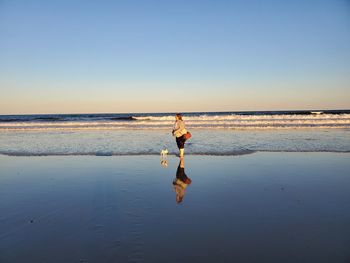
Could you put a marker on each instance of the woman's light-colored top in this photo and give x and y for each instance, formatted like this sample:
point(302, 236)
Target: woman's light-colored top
point(179, 128)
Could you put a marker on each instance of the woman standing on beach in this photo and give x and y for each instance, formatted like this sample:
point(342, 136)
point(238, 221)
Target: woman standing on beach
point(179, 132)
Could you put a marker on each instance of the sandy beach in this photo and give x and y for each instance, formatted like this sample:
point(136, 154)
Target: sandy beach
point(260, 207)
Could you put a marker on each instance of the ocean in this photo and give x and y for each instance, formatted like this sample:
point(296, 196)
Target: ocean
point(214, 133)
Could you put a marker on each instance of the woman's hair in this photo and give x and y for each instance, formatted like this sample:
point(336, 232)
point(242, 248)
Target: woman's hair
point(179, 116)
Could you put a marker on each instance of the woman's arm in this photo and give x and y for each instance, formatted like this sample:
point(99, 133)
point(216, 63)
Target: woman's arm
point(176, 127)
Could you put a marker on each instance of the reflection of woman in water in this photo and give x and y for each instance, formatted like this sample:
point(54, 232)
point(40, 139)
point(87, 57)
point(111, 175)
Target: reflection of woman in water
point(179, 132)
point(181, 181)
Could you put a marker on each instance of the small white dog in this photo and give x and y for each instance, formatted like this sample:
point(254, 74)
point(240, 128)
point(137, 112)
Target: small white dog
point(164, 153)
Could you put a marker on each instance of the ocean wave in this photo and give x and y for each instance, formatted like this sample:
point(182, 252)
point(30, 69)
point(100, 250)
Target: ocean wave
point(204, 121)
point(246, 117)
point(209, 126)
point(129, 118)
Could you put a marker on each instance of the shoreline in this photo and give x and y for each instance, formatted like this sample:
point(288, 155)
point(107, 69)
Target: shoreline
point(170, 154)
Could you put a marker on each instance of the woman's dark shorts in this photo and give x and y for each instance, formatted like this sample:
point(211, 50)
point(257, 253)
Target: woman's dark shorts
point(180, 141)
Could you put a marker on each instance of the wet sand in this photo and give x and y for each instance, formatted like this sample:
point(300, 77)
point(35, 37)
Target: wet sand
point(262, 207)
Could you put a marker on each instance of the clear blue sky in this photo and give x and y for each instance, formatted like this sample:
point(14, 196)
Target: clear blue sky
point(157, 56)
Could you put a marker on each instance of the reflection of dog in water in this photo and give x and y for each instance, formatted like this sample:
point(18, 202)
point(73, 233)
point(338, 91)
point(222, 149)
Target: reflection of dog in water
point(163, 157)
point(164, 163)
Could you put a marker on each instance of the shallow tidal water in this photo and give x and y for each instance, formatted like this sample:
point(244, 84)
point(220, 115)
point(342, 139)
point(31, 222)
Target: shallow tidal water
point(261, 207)
point(150, 142)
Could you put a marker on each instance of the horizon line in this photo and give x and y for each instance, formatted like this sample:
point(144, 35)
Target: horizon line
point(174, 112)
